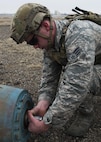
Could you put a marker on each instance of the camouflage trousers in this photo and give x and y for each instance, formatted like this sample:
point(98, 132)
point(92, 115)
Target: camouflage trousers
point(95, 90)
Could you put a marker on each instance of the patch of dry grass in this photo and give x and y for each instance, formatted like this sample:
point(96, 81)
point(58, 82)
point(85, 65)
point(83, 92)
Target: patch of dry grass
point(5, 20)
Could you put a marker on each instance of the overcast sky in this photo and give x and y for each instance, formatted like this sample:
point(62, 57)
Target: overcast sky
point(63, 6)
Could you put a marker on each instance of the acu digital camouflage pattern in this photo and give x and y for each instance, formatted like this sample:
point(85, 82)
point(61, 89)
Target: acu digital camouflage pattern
point(68, 82)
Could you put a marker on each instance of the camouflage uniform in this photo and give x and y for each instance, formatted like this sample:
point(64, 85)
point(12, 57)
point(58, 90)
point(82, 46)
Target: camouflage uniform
point(68, 82)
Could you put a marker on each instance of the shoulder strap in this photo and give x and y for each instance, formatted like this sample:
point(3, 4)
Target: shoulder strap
point(80, 14)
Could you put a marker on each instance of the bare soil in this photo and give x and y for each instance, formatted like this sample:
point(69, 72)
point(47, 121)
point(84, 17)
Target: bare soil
point(20, 66)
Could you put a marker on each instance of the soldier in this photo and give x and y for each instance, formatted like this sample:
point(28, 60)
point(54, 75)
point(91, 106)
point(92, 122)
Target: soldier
point(71, 71)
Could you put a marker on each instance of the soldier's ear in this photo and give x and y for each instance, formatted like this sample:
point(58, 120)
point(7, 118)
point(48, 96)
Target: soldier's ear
point(46, 24)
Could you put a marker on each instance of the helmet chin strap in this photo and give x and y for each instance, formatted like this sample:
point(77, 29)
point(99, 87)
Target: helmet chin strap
point(49, 38)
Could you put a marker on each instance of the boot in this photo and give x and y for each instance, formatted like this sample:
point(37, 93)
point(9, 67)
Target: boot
point(81, 125)
point(84, 119)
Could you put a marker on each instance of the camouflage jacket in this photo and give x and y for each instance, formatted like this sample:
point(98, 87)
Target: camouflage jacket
point(66, 84)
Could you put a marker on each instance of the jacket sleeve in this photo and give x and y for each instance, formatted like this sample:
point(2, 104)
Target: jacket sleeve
point(74, 84)
point(50, 78)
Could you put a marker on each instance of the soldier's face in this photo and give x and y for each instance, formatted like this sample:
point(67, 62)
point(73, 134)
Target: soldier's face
point(39, 40)
point(32, 40)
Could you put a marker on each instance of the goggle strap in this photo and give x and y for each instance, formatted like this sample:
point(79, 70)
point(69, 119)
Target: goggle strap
point(49, 38)
point(50, 35)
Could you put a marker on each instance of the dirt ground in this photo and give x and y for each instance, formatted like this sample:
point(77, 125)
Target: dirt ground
point(20, 66)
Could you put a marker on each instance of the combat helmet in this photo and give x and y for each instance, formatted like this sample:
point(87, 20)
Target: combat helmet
point(26, 20)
